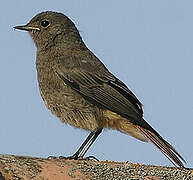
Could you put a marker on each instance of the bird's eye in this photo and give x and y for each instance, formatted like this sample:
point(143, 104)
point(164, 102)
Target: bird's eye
point(45, 23)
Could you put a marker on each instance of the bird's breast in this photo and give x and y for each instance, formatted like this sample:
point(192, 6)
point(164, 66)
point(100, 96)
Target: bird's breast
point(66, 103)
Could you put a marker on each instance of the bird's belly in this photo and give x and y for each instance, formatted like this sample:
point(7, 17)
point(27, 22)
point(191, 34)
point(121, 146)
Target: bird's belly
point(70, 107)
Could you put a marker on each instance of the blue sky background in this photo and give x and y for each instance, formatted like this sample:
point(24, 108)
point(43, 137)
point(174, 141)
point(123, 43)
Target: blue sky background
point(147, 44)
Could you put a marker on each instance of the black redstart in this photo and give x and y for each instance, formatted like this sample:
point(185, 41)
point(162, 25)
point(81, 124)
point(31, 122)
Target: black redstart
point(77, 87)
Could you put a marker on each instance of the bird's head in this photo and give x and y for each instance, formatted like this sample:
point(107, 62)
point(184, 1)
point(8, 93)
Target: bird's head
point(49, 28)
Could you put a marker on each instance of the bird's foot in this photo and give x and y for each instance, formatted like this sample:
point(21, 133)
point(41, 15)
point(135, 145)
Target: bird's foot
point(91, 158)
point(74, 157)
point(63, 157)
point(52, 157)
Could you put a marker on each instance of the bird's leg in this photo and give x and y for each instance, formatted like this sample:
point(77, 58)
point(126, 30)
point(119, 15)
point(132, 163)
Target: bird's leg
point(85, 146)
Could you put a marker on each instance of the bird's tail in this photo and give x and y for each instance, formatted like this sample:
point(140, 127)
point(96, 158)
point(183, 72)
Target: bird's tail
point(115, 121)
point(163, 146)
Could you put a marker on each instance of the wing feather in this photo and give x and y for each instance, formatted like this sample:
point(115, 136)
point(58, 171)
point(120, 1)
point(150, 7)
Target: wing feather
point(101, 87)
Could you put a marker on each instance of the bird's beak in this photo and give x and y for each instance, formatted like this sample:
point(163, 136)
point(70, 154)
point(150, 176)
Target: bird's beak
point(27, 28)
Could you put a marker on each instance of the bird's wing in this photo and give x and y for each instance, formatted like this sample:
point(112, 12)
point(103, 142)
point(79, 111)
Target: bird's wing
point(99, 86)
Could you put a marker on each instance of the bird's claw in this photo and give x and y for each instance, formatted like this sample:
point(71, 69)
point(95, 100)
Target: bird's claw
point(74, 157)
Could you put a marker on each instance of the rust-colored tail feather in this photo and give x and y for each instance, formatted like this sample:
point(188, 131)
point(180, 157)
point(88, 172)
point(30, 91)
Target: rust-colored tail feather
point(164, 146)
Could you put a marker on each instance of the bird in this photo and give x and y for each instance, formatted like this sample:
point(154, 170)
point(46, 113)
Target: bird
point(77, 87)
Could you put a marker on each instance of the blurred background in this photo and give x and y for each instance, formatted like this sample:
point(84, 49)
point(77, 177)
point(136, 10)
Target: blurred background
point(147, 44)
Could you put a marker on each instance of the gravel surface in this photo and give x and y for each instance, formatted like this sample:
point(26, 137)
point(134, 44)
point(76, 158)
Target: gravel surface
point(129, 171)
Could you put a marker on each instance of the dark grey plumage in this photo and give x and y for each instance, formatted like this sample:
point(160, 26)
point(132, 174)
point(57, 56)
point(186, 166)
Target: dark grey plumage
point(78, 88)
